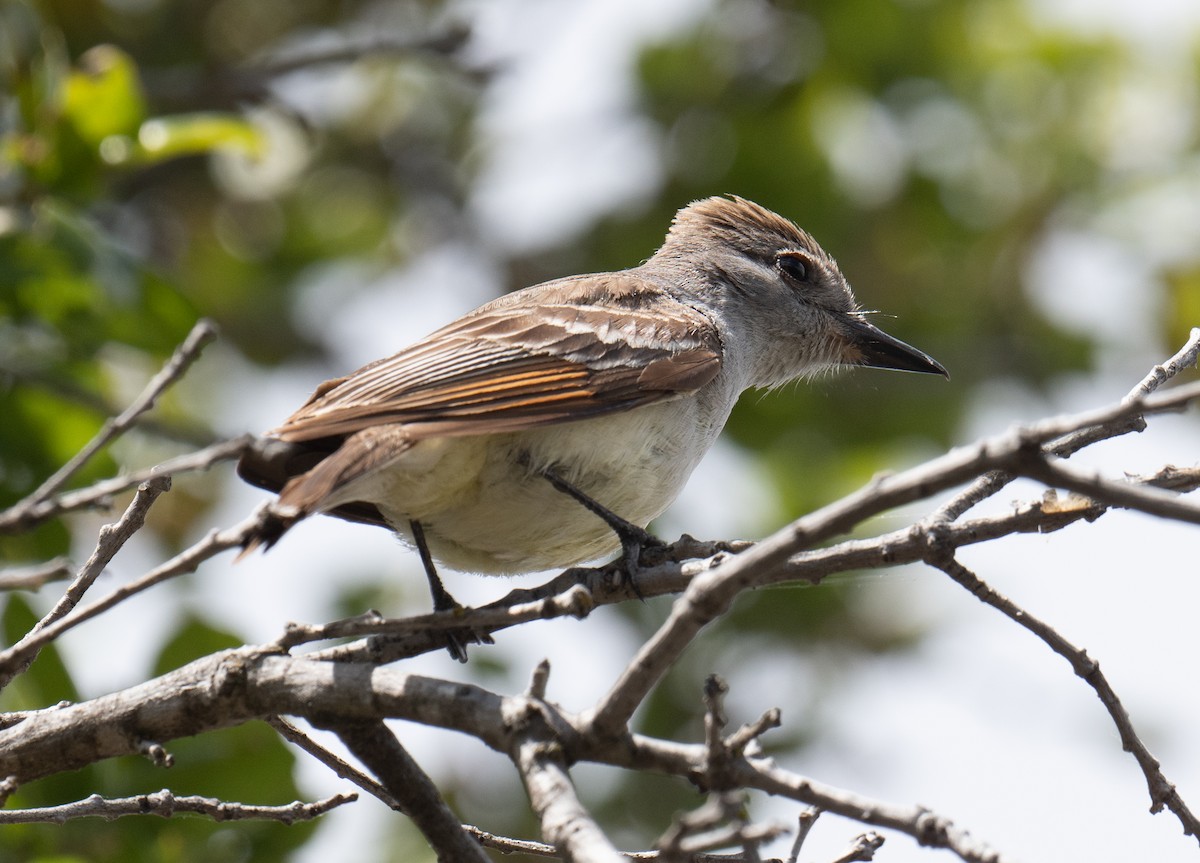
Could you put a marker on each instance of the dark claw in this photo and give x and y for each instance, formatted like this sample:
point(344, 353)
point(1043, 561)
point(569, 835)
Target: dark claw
point(458, 639)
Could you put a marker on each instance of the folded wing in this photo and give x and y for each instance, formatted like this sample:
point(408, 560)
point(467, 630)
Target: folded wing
point(506, 367)
point(555, 353)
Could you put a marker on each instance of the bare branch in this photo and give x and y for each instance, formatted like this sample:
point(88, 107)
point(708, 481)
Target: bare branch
point(908, 545)
point(539, 758)
point(165, 804)
point(862, 848)
point(35, 576)
point(567, 593)
point(711, 593)
point(804, 825)
point(233, 686)
point(99, 495)
point(344, 770)
point(201, 335)
point(16, 657)
point(112, 538)
point(1070, 443)
point(419, 799)
point(1162, 792)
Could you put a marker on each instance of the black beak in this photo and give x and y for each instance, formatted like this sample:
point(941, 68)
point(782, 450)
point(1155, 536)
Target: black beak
point(867, 345)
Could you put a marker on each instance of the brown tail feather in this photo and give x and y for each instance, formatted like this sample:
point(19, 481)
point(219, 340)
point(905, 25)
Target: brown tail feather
point(308, 474)
point(272, 529)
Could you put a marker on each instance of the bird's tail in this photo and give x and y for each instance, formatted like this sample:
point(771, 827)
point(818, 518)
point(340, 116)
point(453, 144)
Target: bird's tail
point(272, 525)
point(312, 476)
point(273, 464)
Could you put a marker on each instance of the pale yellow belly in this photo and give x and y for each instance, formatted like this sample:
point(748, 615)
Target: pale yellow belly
point(485, 506)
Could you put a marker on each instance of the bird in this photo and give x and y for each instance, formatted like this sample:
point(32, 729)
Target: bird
point(550, 426)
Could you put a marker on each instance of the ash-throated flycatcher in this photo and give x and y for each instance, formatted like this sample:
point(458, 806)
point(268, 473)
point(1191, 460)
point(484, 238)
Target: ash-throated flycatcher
point(605, 388)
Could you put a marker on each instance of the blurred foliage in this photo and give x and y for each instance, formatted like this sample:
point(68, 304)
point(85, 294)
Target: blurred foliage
point(910, 141)
point(168, 159)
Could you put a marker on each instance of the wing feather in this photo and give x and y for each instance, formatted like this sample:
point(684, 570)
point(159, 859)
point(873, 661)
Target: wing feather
point(558, 352)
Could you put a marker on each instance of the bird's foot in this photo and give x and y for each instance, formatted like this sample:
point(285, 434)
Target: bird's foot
point(458, 638)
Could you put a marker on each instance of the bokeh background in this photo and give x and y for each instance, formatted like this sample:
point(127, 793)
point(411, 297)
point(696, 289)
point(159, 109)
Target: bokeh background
point(1014, 183)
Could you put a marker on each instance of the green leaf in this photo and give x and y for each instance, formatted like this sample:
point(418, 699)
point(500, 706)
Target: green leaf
point(189, 134)
point(103, 97)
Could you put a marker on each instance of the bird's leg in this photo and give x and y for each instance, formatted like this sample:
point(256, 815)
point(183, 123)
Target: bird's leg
point(456, 639)
point(442, 600)
point(634, 539)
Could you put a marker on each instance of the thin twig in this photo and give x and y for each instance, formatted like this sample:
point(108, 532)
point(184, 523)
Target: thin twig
point(165, 804)
point(14, 658)
point(1070, 443)
point(575, 603)
point(640, 752)
point(111, 539)
point(804, 825)
point(99, 495)
point(539, 680)
point(446, 42)
point(377, 747)
point(715, 777)
point(339, 766)
point(204, 332)
point(508, 845)
point(718, 823)
point(861, 849)
point(924, 826)
point(749, 733)
point(1162, 791)
point(35, 576)
point(908, 545)
point(1144, 498)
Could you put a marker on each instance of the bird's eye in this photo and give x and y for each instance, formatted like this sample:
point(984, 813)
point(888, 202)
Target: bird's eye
point(792, 266)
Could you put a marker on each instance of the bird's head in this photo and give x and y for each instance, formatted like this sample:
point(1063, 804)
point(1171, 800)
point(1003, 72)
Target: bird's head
point(782, 298)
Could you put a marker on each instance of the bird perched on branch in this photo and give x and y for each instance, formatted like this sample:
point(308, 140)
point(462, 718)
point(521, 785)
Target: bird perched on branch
point(550, 426)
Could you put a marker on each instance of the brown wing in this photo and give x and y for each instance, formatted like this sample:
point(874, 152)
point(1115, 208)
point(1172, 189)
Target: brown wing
point(558, 352)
